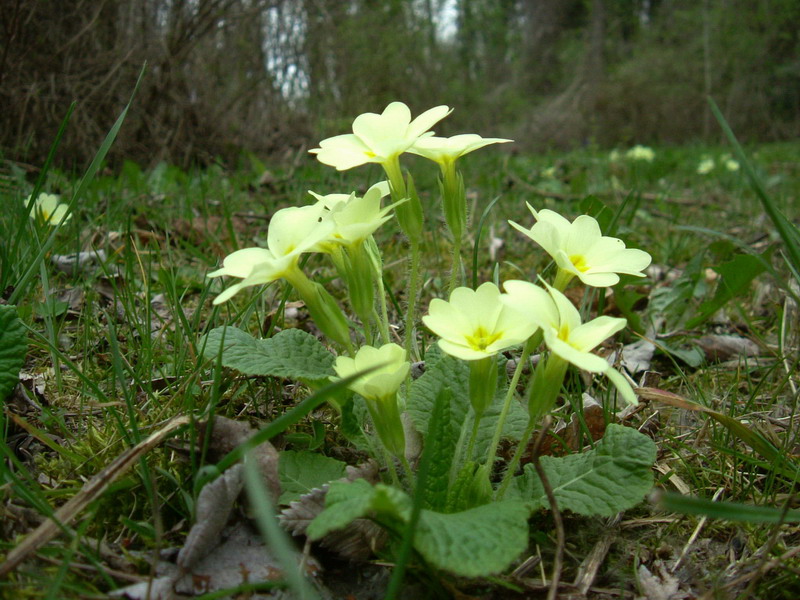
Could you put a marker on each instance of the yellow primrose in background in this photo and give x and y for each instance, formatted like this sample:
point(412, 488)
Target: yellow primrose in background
point(706, 166)
point(48, 209)
point(378, 138)
point(446, 151)
point(639, 152)
point(475, 324)
point(579, 249)
point(292, 232)
point(564, 334)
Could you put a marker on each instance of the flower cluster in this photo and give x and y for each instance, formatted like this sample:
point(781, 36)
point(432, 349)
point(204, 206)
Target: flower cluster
point(48, 209)
point(473, 325)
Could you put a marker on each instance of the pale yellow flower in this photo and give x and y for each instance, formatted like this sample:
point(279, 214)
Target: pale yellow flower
point(292, 232)
point(563, 332)
point(642, 153)
point(49, 210)
point(475, 324)
point(731, 164)
point(355, 218)
point(447, 150)
point(706, 166)
point(390, 370)
point(579, 249)
point(378, 138)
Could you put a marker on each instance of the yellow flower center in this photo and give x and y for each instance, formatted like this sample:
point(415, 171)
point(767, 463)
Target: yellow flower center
point(370, 154)
point(481, 339)
point(579, 262)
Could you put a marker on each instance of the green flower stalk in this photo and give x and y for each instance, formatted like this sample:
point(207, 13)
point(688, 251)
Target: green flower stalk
point(445, 152)
point(580, 250)
point(379, 390)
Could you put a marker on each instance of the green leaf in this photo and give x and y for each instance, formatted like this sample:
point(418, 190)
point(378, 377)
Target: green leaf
point(611, 477)
point(301, 472)
point(290, 354)
point(13, 347)
point(454, 374)
point(441, 444)
point(348, 501)
point(476, 542)
point(472, 543)
point(736, 276)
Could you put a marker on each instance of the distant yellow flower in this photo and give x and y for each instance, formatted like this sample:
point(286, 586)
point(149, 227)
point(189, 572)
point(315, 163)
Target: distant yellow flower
point(563, 331)
point(49, 210)
point(378, 138)
point(639, 152)
point(730, 164)
point(446, 151)
point(475, 324)
point(706, 166)
point(579, 249)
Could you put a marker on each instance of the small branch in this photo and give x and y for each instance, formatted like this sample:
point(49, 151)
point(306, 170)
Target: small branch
point(558, 562)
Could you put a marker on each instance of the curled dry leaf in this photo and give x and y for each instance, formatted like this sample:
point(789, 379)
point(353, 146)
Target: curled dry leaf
point(214, 506)
point(359, 540)
point(227, 434)
point(719, 348)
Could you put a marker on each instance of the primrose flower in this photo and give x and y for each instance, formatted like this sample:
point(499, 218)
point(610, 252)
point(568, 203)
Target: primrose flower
point(356, 218)
point(564, 334)
point(292, 232)
point(475, 324)
point(731, 164)
point(378, 138)
point(579, 248)
point(639, 152)
point(379, 389)
point(48, 209)
point(706, 166)
point(446, 151)
point(382, 383)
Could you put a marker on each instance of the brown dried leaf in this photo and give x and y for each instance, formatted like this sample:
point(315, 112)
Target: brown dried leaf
point(227, 434)
point(214, 506)
point(719, 348)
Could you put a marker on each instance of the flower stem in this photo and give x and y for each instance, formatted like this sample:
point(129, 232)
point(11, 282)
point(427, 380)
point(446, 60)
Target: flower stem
point(473, 436)
point(413, 285)
point(456, 266)
point(512, 466)
point(501, 420)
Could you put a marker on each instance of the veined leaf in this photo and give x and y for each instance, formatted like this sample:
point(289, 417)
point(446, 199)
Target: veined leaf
point(301, 472)
point(291, 354)
point(612, 476)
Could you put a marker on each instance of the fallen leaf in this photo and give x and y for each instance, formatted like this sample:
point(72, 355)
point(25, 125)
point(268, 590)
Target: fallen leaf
point(719, 348)
point(214, 506)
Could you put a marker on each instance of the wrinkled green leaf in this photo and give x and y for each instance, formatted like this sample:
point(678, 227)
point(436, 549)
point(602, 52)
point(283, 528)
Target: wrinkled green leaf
point(301, 472)
point(611, 477)
point(472, 543)
point(476, 542)
point(290, 354)
point(13, 347)
point(441, 445)
point(454, 373)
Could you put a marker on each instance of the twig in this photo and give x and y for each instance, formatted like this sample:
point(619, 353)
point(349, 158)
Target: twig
point(558, 562)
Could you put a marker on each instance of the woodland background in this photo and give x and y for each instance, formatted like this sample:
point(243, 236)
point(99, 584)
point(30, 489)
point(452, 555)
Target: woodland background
point(273, 76)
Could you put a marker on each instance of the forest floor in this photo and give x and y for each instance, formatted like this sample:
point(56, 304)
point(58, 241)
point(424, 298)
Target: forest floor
point(117, 307)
